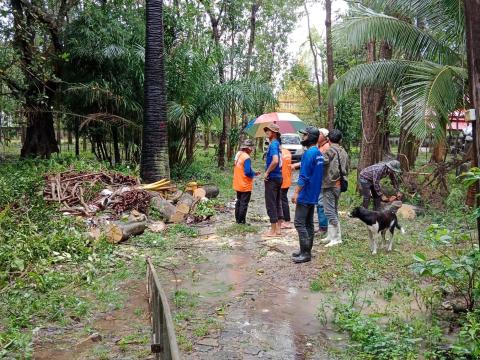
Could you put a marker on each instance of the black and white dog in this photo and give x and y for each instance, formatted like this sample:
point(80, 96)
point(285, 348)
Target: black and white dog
point(378, 222)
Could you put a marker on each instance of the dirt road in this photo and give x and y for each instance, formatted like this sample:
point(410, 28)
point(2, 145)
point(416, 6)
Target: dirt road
point(249, 286)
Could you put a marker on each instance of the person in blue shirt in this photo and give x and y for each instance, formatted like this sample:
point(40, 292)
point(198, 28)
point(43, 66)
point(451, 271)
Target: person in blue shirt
point(273, 180)
point(306, 193)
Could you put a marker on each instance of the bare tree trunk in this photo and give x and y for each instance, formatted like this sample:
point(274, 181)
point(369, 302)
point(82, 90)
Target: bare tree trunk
point(407, 150)
point(77, 138)
point(221, 74)
point(372, 100)
point(330, 69)
point(206, 137)
point(315, 63)
point(472, 24)
point(251, 41)
point(59, 134)
point(116, 146)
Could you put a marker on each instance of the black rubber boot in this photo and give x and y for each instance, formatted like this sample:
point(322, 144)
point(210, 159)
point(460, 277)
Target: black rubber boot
point(304, 255)
point(308, 249)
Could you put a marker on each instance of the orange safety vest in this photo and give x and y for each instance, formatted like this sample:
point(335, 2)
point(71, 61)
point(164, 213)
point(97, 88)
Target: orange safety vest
point(241, 182)
point(286, 169)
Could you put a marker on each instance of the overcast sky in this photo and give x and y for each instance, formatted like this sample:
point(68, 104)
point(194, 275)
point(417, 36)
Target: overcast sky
point(317, 20)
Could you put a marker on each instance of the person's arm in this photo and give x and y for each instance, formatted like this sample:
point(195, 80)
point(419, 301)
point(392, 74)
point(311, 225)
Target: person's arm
point(303, 177)
point(328, 156)
point(247, 169)
point(275, 159)
point(394, 181)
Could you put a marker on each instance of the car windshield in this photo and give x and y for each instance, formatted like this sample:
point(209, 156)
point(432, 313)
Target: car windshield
point(290, 140)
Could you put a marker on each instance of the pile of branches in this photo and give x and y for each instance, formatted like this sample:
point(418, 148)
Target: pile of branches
point(86, 193)
point(432, 187)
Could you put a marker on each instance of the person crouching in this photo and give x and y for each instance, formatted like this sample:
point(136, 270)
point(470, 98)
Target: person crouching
point(243, 180)
point(306, 194)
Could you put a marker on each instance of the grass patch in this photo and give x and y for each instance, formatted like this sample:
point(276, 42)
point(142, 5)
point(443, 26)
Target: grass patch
point(238, 229)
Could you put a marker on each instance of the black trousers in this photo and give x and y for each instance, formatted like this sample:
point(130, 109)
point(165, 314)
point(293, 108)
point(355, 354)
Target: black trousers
point(368, 191)
point(273, 201)
point(285, 205)
point(241, 206)
point(304, 224)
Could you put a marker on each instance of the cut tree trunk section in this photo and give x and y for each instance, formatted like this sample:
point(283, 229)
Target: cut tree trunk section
point(118, 231)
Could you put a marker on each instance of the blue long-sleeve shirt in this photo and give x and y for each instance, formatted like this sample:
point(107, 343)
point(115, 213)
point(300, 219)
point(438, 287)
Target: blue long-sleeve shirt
point(247, 169)
point(310, 178)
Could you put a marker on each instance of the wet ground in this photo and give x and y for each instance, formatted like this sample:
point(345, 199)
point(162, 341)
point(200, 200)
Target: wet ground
point(248, 300)
point(268, 310)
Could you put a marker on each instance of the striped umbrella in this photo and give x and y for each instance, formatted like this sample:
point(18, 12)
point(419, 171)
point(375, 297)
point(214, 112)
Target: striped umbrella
point(288, 123)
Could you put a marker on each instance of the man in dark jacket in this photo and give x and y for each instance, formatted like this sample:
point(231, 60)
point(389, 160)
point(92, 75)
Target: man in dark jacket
point(370, 182)
point(306, 194)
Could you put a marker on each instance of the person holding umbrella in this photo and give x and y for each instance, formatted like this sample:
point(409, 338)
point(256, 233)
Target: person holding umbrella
point(273, 180)
point(243, 180)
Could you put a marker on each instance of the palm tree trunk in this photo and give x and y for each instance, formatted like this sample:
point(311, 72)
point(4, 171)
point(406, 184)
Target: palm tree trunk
point(330, 68)
point(154, 161)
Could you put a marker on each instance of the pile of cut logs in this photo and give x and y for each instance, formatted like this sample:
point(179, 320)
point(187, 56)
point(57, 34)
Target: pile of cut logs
point(87, 193)
point(177, 207)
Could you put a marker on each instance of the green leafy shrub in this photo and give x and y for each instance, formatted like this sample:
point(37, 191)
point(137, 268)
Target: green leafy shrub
point(457, 270)
point(468, 344)
point(396, 341)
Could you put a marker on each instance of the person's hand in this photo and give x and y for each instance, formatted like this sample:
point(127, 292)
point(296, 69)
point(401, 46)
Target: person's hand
point(385, 198)
point(294, 198)
point(293, 167)
point(265, 177)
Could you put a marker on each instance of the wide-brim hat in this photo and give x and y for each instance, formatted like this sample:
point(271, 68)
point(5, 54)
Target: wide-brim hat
point(272, 127)
point(394, 165)
point(247, 144)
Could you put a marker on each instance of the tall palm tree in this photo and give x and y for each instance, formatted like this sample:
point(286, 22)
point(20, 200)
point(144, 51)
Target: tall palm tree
point(427, 73)
point(154, 162)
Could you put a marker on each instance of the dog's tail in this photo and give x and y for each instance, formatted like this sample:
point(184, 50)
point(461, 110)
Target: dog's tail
point(402, 230)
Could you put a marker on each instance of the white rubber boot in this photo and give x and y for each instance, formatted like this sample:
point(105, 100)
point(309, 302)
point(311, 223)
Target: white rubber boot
point(336, 236)
point(328, 238)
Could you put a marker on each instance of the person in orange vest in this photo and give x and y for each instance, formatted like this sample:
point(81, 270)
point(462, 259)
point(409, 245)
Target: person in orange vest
point(323, 145)
point(243, 175)
point(286, 183)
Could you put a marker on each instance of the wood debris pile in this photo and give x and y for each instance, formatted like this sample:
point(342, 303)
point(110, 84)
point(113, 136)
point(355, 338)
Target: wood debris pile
point(86, 193)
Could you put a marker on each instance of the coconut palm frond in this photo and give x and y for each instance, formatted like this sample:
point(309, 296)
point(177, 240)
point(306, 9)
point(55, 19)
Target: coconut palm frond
point(387, 73)
point(431, 93)
point(366, 25)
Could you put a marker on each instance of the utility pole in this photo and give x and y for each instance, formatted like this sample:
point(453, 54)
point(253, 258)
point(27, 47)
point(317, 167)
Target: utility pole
point(472, 31)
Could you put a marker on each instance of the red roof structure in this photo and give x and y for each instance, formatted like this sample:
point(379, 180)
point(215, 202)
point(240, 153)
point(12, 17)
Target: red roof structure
point(457, 120)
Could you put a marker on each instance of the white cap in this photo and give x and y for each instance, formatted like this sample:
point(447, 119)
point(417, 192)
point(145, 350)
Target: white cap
point(323, 131)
